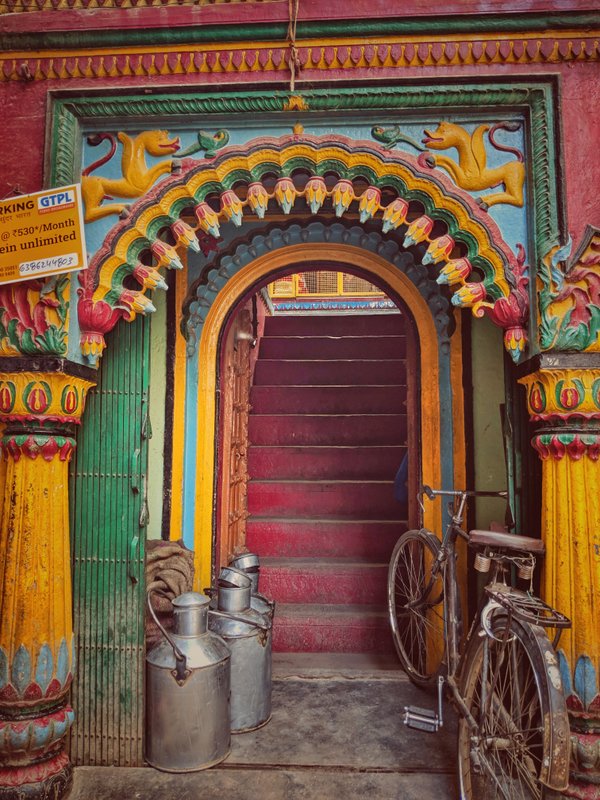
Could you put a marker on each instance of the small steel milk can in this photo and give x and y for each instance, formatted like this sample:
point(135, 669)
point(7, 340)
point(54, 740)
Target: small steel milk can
point(187, 691)
point(249, 637)
point(250, 564)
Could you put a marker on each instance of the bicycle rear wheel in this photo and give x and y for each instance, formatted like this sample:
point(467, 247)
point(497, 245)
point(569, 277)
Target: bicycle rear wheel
point(415, 605)
point(521, 745)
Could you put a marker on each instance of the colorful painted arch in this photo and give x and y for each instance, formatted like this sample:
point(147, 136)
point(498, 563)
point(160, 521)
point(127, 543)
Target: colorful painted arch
point(304, 175)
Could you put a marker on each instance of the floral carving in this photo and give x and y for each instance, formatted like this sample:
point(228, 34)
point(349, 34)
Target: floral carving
point(33, 445)
point(569, 299)
point(512, 312)
point(33, 317)
point(96, 317)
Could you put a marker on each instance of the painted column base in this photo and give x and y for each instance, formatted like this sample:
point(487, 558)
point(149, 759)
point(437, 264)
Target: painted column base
point(585, 756)
point(33, 764)
point(47, 779)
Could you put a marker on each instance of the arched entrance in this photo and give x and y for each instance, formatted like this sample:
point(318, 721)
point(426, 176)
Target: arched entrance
point(426, 220)
point(383, 213)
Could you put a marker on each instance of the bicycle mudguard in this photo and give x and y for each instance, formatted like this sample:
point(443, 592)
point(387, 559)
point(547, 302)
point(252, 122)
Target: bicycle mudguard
point(554, 771)
point(557, 732)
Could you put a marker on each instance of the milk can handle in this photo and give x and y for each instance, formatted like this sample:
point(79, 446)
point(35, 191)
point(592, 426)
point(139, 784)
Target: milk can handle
point(181, 673)
point(264, 626)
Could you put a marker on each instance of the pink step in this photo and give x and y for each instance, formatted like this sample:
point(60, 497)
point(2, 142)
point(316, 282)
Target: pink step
point(326, 429)
point(343, 462)
point(279, 372)
point(328, 399)
point(327, 538)
point(333, 347)
point(323, 580)
point(331, 628)
point(317, 499)
point(336, 325)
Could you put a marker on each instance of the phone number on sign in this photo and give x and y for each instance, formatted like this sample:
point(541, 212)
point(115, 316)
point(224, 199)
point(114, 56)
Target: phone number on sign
point(53, 264)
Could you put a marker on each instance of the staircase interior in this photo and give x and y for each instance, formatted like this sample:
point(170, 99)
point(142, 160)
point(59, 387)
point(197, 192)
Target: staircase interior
point(327, 433)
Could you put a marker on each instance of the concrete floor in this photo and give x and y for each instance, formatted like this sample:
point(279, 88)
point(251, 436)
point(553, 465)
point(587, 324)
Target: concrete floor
point(336, 732)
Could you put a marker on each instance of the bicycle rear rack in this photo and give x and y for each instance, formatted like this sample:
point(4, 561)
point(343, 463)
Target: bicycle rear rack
point(424, 719)
point(526, 607)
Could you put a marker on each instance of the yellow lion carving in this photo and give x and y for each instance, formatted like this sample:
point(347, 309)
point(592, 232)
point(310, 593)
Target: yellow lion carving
point(471, 171)
point(137, 176)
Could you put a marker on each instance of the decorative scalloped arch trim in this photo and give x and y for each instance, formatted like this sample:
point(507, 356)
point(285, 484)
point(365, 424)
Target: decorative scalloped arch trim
point(427, 209)
point(202, 294)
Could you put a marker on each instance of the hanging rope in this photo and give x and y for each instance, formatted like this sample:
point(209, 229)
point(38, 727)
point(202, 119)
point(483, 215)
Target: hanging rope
point(295, 65)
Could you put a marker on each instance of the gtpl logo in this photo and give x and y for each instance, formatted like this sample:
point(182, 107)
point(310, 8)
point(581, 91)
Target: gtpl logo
point(57, 201)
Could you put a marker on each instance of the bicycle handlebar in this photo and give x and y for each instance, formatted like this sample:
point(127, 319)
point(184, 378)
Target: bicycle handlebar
point(433, 493)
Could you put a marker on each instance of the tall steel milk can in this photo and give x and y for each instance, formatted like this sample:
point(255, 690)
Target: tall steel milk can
point(187, 691)
point(249, 637)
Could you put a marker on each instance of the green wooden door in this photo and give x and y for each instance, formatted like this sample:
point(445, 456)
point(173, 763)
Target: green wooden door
point(108, 517)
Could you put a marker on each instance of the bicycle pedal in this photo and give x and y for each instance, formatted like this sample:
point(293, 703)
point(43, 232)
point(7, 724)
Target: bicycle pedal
point(422, 719)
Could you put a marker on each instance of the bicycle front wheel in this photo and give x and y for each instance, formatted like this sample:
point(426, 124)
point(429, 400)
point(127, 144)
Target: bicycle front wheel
point(511, 686)
point(415, 605)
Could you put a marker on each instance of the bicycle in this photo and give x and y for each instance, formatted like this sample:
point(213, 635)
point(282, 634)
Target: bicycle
point(513, 729)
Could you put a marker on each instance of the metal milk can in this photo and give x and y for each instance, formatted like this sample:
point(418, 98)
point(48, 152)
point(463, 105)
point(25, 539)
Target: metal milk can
point(249, 637)
point(187, 691)
point(250, 564)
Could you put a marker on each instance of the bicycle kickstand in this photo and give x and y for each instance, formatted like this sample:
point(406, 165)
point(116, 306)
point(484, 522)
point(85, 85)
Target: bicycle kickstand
point(423, 719)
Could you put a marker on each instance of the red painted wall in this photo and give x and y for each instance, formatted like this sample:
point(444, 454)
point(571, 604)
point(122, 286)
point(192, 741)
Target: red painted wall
point(258, 12)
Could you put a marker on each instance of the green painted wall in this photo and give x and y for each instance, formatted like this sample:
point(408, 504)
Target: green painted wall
point(158, 384)
point(487, 363)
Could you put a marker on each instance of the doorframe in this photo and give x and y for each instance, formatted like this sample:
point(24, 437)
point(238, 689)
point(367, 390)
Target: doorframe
point(240, 284)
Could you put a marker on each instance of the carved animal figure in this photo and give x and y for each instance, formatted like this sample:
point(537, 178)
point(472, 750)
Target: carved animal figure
point(208, 142)
point(471, 171)
point(137, 176)
point(392, 135)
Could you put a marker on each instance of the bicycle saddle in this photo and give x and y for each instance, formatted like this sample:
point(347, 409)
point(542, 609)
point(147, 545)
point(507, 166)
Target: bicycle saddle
point(507, 541)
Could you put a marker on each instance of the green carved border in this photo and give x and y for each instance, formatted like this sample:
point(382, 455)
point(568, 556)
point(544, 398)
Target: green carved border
point(535, 99)
point(469, 24)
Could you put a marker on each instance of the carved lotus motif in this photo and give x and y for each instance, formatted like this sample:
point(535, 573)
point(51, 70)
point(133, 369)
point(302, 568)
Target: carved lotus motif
point(368, 204)
point(258, 199)
point(285, 194)
point(439, 250)
point(394, 214)
point(418, 231)
point(209, 221)
point(456, 271)
point(231, 207)
point(468, 295)
point(315, 193)
point(342, 196)
point(185, 236)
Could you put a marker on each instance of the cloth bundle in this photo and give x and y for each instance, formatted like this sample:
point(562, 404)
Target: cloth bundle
point(169, 573)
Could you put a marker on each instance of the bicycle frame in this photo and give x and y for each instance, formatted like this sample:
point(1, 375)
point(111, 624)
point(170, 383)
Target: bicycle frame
point(498, 597)
point(446, 560)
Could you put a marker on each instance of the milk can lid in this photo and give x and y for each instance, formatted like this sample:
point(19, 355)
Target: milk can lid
point(191, 600)
point(249, 561)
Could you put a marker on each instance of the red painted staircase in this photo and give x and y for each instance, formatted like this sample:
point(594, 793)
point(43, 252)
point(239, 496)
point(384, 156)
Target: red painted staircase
point(327, 433)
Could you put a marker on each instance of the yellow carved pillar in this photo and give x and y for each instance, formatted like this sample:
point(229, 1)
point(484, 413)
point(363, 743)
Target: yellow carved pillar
point(38, 411)
point(565, 406)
